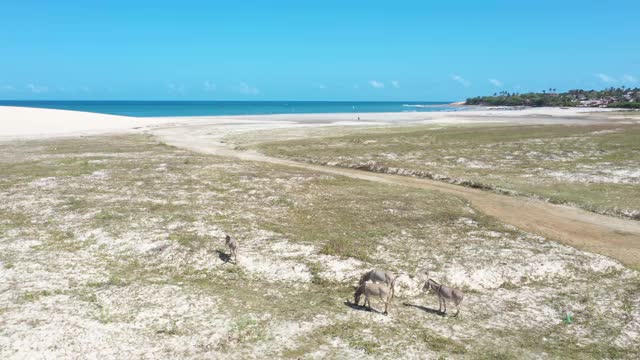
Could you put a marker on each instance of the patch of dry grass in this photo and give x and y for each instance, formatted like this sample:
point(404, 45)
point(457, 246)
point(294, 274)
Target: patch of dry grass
point(594, 167)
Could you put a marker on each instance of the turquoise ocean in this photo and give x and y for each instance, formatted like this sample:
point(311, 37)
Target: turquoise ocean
point(211, 108)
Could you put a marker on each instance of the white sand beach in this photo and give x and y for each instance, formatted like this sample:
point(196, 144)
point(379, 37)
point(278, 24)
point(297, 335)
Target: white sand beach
point(29, 123)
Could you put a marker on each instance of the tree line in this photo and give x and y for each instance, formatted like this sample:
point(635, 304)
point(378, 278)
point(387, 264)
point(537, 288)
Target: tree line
point(621, 97)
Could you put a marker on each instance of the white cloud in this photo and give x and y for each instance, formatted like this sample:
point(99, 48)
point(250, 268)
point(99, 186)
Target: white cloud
point(629, 78)
point(247, 89)
point(496, 82)
point(320, 86)
point(209, 86)
point(461, 80)
point(395, 84)
point(376, 84)
point(37, 89)
point(606, 78)
point(177, 89)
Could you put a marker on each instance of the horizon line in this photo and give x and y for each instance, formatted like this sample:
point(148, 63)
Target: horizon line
point(159, 100)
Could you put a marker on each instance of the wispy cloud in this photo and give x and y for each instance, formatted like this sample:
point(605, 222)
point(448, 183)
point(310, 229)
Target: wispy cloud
point(395, 84)
point(320, 86)
point(37, 89)
point(208, 86)
point(175, 88)
point(356, 86)
point(376, 84)
point(247, 89)
point(496, 82)
point(72, 89)
point(7, 88)
point(629, 78)
point(461, 80)
point(606, 78)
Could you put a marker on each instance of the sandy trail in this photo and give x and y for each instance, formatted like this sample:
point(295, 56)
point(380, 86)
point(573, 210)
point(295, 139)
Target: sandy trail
point(617, 238)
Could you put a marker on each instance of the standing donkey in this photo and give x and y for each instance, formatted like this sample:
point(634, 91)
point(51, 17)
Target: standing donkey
point(232, 244)
point(370, 289)
point(445, 294)
point(380, 276)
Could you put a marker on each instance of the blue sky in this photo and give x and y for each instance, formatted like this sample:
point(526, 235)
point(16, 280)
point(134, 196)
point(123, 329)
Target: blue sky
point(313, 50)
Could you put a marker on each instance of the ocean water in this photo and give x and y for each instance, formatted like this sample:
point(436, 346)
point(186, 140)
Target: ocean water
point(208, 108)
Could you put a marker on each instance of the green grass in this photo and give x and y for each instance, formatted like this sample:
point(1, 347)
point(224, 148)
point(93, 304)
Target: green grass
point(442, 344)
point(189, 239)
point(36, 295)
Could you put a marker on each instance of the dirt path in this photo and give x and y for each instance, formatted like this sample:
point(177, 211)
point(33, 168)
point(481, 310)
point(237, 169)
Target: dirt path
point(614, 237)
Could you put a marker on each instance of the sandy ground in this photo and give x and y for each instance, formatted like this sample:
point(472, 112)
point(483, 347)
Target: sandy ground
point(111, 248)
point(617, 238)
point(601, 234)
point(613, 237)
point(30, 123)
point(150, 321)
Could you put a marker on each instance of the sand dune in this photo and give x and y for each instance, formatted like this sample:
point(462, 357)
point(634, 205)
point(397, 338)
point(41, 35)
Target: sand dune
point(20, 122)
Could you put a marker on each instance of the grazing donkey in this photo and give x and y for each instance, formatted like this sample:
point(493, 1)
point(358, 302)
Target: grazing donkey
point(380, 276)
point(370, 289)
point(232, 244)
point(445, 294)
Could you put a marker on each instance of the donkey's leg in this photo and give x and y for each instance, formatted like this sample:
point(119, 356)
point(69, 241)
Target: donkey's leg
point(386, 304)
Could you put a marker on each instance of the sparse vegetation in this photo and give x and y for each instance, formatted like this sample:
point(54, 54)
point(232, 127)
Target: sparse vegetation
point(124, 241)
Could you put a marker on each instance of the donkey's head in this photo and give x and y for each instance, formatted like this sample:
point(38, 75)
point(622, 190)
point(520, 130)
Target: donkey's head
point(430, 284)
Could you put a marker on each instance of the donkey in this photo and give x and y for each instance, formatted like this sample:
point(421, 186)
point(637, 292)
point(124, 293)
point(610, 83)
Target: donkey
point(370, 289)
point(380, 276)
point(232, 244)
point(445, 294)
